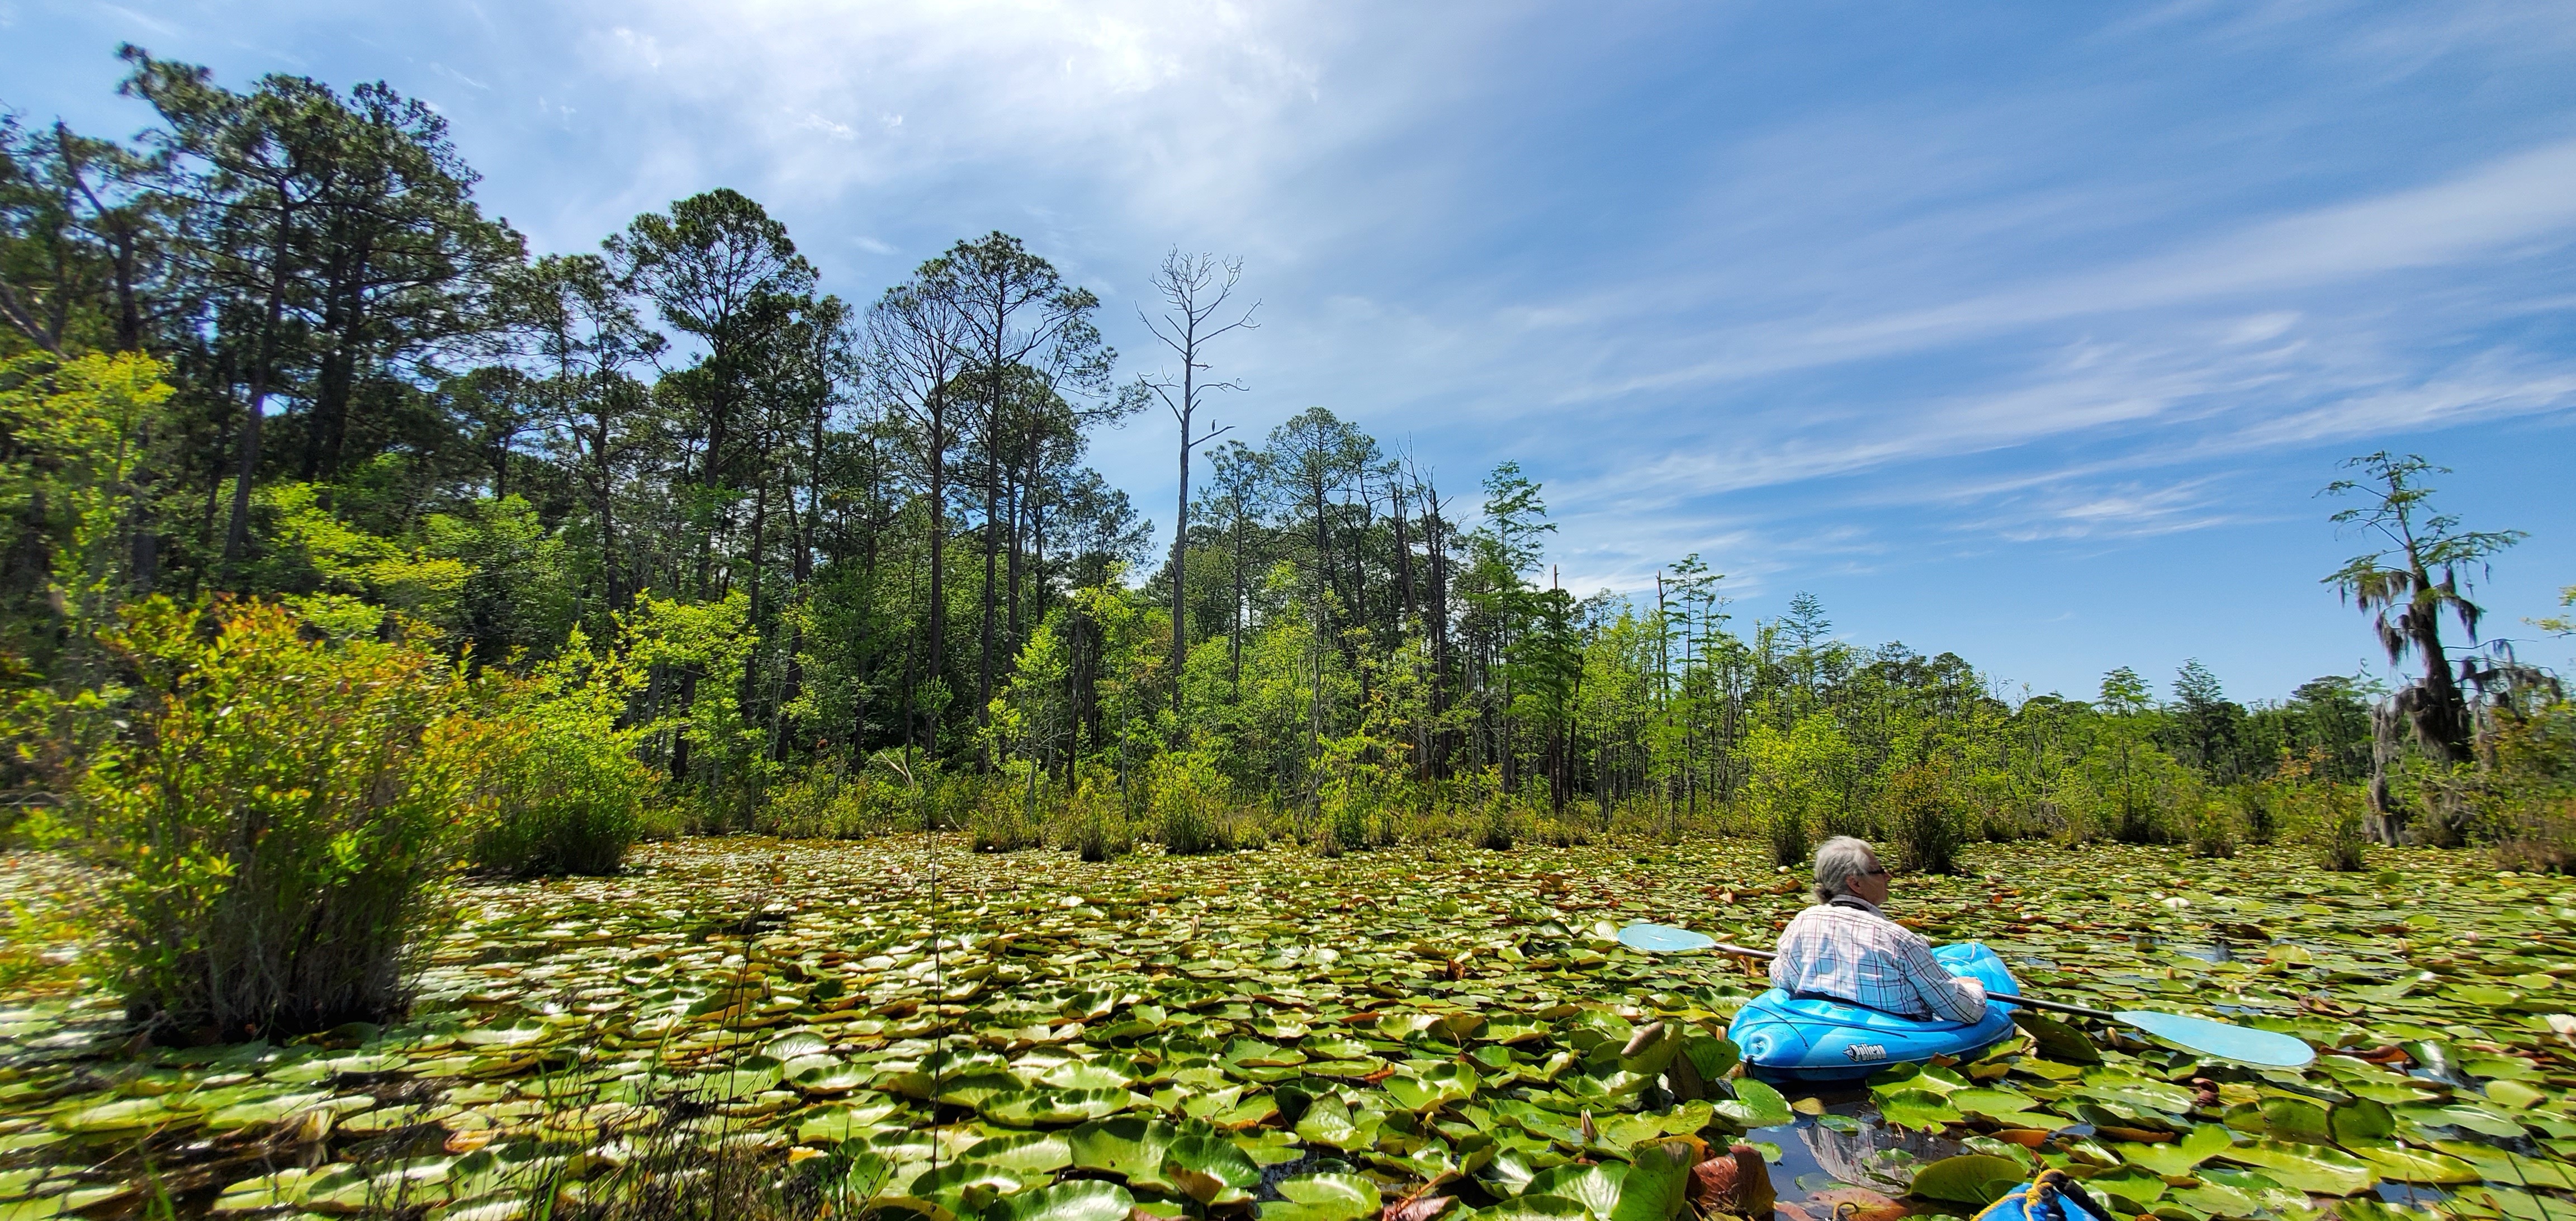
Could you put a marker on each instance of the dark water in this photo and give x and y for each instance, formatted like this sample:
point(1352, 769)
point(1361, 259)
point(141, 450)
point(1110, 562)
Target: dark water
point(1854, 1149)
point(1851, 1148)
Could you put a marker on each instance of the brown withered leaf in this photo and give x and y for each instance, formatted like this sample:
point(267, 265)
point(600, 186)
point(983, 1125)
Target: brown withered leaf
point(1419, 1208)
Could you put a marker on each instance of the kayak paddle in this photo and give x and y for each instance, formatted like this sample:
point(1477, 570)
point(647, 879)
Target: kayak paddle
point(2209, 1037)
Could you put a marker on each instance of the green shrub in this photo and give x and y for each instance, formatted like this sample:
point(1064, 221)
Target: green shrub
point(1093, 822)
point(1188, 797)
point(1003, 821)
point(278, 819)
point(2336, 827)
point(827, 802)
point(2213, 830)
point(2258, 809)
point(1787, 829)
point(1239, 829)
point(561, 788)
point(1927, 821)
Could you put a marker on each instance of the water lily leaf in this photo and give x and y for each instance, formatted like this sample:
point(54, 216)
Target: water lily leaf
point(1595, 1187)
point(2514, 1095)
point(1210, 1170)
point(1023, 1108)
point(1268, 1147)
point(1970, 1178)
point(1755, 1105)
point(1328, 1121)
point(124, 1115)
point(857, 1121)
point(2212, 1200)
point(1026, 1152)
point(2499, 1166)
point(1711, 1057)
point(1253, 1053)
point(1433, 1088)
point(252, 1113)
point(1324, 1197)
point(520, 1033)
point(939, 1070)
point(1085, 1075)
point(970, 1090)
point(2005, 1105)
point(2464, 1116)
point(1535, 1208)
point(2293, 1119)
point(2509, 1202)
point(2120, 1089)
point(310, 1071)
point(825, 1075)
point(2057, 1040)
point(1510, 1030)
point(1125, 1146)
point(1920, 1109)
point(1079, 1200)
point(2314, 1168)
point(1657, 1183)
point(2138, 1188)
point(2407, 1165)
point(2361, 1119)
point(2181, 1157)
point(968, 1187)
point(733, 1085)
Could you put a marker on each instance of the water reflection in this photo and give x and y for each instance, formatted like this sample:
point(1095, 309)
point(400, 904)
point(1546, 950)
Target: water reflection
point(1850, 1146)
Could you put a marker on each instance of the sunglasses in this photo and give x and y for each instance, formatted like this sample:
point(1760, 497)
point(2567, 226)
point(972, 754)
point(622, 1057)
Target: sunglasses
point(1880, 872)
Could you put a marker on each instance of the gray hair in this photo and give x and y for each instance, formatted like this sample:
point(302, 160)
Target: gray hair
point(1838, 861)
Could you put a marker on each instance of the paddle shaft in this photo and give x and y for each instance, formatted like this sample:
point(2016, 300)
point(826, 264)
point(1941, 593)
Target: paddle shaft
point(1999, 997)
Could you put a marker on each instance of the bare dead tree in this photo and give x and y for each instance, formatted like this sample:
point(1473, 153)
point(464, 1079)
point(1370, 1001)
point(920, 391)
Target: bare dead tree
point(1196, 289)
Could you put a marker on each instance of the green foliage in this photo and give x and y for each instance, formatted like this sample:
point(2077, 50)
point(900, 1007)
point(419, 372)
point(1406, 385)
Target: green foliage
point(1926, 820)
point(831, 801)
point(1005, 818)
point(2334, 826)
point(557, 778)
point(81, 432)
point(2213, 829)
point(1093, 823)
point(1189, 803)
point(279, 818)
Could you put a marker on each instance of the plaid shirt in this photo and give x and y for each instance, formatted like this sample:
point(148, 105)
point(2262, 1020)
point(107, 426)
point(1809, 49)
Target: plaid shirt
point(1849, 950)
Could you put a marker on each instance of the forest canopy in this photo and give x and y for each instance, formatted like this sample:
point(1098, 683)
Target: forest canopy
point(837, 564)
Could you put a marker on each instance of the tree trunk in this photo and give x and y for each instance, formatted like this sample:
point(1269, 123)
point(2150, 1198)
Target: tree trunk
point(237, 531)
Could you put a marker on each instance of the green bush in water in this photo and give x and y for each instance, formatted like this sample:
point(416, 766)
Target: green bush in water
point(560, 786)
point(1093, 822)
point(278, 818)
point(2213, 830)
point(1002, 821)
point(2336, 828)
point(831, 802)
point(1189, 801)
point(1788, 831)
point(1926, 819)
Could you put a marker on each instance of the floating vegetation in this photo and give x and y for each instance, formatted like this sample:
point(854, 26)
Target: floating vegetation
point(1028, 1037)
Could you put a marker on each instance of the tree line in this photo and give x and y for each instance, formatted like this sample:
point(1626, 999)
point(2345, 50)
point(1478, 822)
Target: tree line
point(850, 547)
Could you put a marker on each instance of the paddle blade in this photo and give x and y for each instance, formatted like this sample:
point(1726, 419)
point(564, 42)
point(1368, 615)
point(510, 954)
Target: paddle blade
point(1663, 939)
point(2243, 1044)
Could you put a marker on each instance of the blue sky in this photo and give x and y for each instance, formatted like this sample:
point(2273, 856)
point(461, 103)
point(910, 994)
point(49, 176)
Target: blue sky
point(2024, 331)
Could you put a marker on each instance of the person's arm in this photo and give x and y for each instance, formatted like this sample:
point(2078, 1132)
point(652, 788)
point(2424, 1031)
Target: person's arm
point(1955, 997)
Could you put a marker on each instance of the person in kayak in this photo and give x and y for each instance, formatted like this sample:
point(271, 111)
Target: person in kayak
point(1844, 948)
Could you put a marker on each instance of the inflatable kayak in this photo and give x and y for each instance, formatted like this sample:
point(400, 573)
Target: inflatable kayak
point(1786, 1038)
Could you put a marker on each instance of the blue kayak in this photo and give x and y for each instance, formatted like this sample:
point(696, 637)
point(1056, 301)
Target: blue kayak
point(1789, 1039)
